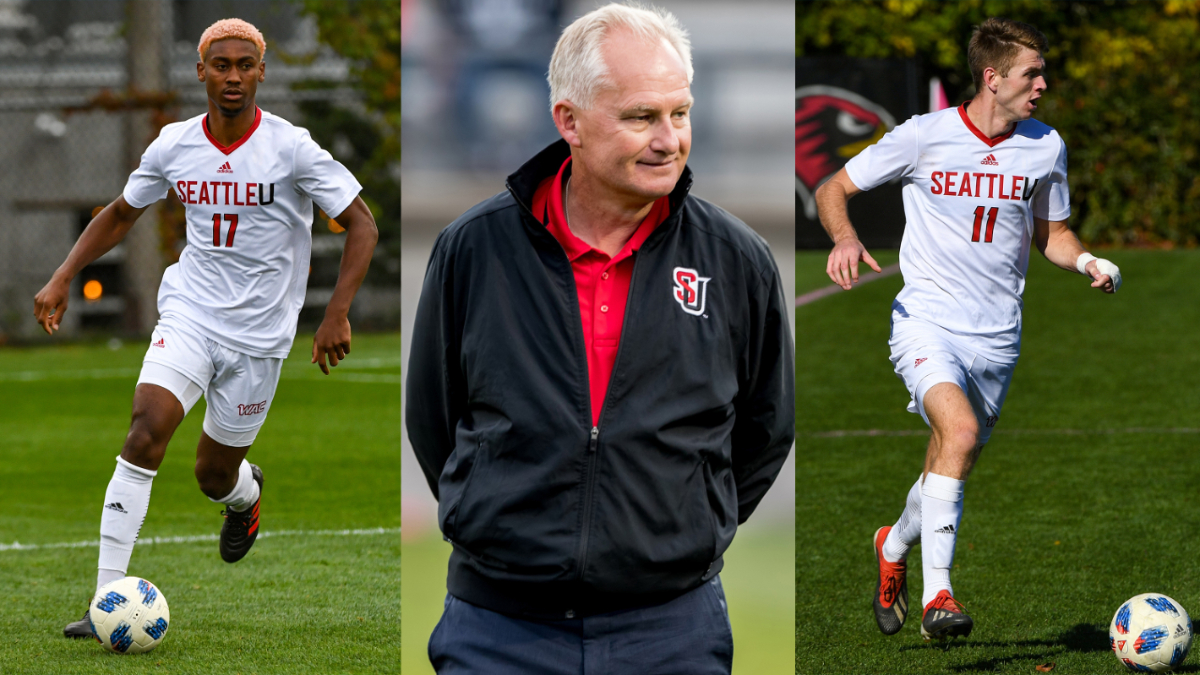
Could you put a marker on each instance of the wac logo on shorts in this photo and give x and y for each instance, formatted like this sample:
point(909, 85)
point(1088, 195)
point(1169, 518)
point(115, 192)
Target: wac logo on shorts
point(690, 290)
point(252, 408)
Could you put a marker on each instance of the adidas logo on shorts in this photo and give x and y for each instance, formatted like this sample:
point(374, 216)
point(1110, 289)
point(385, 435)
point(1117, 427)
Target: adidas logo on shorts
point(919, 362)
point(160, 344)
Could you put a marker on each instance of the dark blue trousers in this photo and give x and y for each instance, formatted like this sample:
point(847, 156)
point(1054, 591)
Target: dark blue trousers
point(689, 635)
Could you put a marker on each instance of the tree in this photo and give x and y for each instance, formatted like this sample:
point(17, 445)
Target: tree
point(1120, 94)
point(367, 32)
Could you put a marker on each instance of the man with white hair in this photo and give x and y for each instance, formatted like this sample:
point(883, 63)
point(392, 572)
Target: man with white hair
point(600, 386)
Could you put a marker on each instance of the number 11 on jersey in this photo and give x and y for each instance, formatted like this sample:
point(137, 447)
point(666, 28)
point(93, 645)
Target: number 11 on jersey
point(232, 219)
point(987, 237)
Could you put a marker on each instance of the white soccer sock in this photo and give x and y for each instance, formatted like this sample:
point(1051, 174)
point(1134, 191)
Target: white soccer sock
point(907, 530)
point(244, 493)
point(125, 505)
point(941, 513)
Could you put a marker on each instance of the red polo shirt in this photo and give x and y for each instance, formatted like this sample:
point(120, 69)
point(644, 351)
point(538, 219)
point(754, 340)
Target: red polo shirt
point(601, 282)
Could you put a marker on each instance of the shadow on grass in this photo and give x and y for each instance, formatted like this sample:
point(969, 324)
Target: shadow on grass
point(1080, 638)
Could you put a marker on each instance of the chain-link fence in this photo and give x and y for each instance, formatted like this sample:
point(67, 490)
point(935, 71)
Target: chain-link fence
point(85, 85)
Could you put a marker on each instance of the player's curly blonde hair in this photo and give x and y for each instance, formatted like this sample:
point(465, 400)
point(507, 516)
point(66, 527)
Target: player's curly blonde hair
point(232, 28)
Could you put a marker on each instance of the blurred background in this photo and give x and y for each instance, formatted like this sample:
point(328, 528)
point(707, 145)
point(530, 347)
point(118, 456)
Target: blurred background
point(79, 102)
point(1121, 92)
point(475, 108)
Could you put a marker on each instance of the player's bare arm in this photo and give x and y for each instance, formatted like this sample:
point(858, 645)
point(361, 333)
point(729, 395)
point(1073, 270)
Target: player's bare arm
point(1059, 244)
point(105, 231)
point(333, 336)
point(832, 198)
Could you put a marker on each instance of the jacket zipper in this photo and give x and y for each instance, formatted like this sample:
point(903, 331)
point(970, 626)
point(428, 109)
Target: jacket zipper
point(594, 441)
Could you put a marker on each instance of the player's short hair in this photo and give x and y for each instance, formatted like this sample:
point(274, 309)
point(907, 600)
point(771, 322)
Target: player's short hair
point(577, 68)
point(997, 42)
point(232, 28)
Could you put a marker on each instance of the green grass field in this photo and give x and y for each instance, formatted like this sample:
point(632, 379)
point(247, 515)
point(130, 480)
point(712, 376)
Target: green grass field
point(1085, 496)
point(757, 580)
point(300, 602)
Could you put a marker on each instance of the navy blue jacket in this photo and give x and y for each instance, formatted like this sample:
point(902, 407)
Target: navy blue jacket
point(549, 516)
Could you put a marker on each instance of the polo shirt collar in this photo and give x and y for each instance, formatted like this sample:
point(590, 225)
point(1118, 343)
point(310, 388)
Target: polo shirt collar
point(553, 215)
point(523, 183)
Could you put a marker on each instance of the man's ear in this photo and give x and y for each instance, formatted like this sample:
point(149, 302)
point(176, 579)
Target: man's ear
point(200, 70)
point(566, 120)
point(988, 74)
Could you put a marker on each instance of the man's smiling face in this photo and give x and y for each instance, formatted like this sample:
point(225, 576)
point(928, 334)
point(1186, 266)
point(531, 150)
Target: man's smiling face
point(636, 137)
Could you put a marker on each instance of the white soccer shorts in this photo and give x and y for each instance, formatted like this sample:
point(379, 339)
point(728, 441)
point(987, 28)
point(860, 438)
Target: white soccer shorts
point(238, 387)
point(925, 354)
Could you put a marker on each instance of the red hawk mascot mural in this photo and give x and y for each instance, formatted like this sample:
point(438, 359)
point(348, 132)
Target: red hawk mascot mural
point(832, 125)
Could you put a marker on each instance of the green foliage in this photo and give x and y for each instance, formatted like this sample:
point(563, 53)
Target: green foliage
point(1120, 93)
point(367, 32)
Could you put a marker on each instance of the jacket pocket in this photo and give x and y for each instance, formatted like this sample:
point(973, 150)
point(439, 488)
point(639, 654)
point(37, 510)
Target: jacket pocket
point(713, 506)
point(450, 520)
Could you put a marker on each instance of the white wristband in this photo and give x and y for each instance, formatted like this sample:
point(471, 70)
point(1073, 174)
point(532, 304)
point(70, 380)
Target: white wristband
point(1082, 261)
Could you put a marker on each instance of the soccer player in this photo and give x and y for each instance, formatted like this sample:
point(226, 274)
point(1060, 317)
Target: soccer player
point(981, 183)
point(228, 308)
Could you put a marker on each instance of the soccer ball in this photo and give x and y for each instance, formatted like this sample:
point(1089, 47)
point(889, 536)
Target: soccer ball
point(129, 616)
point(1151, 633)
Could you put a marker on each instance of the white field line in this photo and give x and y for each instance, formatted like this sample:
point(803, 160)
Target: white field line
point(18, 546)
point(849, 433)
point(287, 374)
point(864, 277)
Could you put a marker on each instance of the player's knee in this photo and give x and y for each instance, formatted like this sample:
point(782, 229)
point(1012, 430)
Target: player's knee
point(215, 481)
point(144, 446)
point(961, 438)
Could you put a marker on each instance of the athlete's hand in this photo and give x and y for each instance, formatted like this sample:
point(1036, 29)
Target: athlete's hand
point(844, 259)
point(50, 303)
point(1104, 274)
point(332, 339)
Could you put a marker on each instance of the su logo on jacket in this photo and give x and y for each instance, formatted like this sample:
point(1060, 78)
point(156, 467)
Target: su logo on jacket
point(691, 290)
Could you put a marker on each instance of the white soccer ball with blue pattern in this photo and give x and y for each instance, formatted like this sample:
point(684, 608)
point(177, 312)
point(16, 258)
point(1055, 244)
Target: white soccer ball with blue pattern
point(1151, 633)
point(129, 616)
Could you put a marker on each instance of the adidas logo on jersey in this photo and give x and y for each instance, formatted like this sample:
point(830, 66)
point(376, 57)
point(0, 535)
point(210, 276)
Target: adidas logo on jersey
point(115, 506)
point(948, 529)
point(919, 362)
point(990, 160)
point(159, 344)
point(225, 168)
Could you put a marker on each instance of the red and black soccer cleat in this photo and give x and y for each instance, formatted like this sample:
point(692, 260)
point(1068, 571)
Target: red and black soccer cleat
point(891, 591)
point(241, 527)
point(945, 618)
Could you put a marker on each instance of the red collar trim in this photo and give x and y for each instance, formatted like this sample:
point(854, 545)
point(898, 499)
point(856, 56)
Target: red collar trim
point(548, 201)
point(991, 142)
point(238, 143)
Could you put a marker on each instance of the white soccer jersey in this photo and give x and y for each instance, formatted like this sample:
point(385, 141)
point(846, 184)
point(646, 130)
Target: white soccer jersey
point(240, 279)
point(969, 202)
